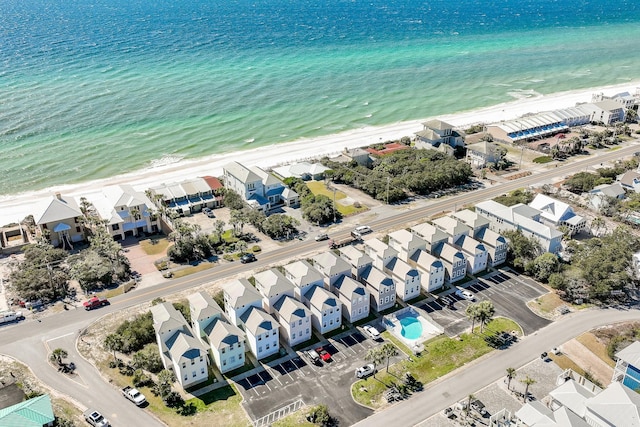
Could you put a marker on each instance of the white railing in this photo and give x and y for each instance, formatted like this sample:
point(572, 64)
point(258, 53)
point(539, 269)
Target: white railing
point(274, 416)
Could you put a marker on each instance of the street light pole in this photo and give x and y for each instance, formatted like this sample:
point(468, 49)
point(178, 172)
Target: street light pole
point(388, 179)
point(334, 205)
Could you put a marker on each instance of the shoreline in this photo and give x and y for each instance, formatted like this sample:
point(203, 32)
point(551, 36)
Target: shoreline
point(14, 207)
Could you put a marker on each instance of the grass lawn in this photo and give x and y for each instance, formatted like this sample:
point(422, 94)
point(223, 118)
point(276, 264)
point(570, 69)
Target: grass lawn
point(193, 269)
point(154, 246)
point(110, 293)
point(564, 362)
point(294, 420)
point(441, 356)
point(318, 187)
point(597, 347)
point(548, 303)
point(229, 237)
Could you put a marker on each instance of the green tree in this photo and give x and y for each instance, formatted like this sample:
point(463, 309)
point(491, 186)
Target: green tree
point(528, 382)
point(113, 342)
point(320, 415)
point(90, 270)
point(473, 313)
point(375, 356)
point(218, 229)
point(164, 383)
point(41, 275)
point(280, 225)
point(511, 374)
point(319, 209)
point(148, 358)
point(389, 350)
point(231, 199)
point(57, 355)
point(237, 219)
point(522, 249)
point(581, 182)
point(543, 266)
point(486, 311)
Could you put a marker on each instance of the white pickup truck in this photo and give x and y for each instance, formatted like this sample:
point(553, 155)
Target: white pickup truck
point(134, 395)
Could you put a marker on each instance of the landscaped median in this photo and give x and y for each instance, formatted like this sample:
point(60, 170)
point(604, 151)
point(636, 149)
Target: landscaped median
point(441, 355)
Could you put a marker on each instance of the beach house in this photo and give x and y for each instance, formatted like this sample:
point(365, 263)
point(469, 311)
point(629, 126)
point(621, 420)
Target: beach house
point(601, 196)
point(59, 220)
point(294, 319)
point(224, 340)
point(627, 369)
point(332, 267)
point(357, 259)
point(272, 285)
point(185, 197)
point(407, 278)
point(326, 310)
point(262, 332)
point(436, 134)
point(454, 228)
point(432, 235)
point(475, 252)
point(630, 181)
point(406, 243)
point(473, 220)
point(258, 188)
point(529, 127)
point(432, 270)
point(482, 153)
point(180, 351)
point(606, 112)
point(455, 263)
point(381, 287)
point(353, 296)
point(556, 213)
point(303, 170)
point(524, 218)
point(125, 211)
point(239, 296)
point(303, 276)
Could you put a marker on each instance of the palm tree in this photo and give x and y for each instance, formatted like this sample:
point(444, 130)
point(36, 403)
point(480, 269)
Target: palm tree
point(57, 355)
point(597, 223)
point(511, 374)
point(472, 313)
point(469, 399)
point(113, 342)
point(486, 311)
point(389, 350)
point(376, 356)
point(527, 382)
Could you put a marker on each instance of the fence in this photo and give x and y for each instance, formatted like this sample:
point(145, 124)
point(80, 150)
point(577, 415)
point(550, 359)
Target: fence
point(267, 420)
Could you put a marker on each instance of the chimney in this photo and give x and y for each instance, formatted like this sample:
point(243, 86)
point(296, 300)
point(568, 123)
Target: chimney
point(58, 196)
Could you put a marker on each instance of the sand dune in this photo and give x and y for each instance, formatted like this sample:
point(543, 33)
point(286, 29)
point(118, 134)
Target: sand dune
point(14, 208)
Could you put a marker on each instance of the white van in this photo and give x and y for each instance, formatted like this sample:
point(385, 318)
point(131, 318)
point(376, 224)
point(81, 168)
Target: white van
point(363, 229)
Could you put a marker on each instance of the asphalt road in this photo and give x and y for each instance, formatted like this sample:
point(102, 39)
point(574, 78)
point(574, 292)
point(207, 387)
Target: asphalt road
point(26, 341)
point(459, 384)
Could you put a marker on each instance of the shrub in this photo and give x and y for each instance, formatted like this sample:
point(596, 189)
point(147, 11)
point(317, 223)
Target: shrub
point(173, 400)
point(542, 159)
point(140, 379)
point(256, 248)
point(136, 333)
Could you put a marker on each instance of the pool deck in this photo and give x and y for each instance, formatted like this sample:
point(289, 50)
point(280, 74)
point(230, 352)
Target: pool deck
point(429, 330)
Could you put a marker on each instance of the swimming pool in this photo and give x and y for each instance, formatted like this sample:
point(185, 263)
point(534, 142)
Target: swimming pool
point(411, 327)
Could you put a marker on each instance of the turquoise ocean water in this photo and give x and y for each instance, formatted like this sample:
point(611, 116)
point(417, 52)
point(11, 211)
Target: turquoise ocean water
point(95, 88)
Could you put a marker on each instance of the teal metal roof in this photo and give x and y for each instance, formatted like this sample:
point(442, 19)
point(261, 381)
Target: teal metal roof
point(35, 412)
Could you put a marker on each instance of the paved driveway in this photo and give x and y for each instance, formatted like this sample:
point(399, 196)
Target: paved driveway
point(329, 383)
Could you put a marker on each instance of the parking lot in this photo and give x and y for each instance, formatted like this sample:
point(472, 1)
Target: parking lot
point(326, 382)
point(509, 293)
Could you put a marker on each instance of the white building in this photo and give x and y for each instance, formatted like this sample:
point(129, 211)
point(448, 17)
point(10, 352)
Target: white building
point(380, 252)
point(496, 245)
point(354, 298)
point(475, 252)
point(432, 269)
point(225, 340)
point(556, 213)
point(332, 267)
point(455, 263)
point(303, 276)
point(180, 351)
point(239, 296)
point(358, 260)
point(406, 277)
point(382, 288)
point(262, 331)
point(430, 234)
point(406, 243)
point(272, 285)
point(326, 309)
point(294, 319)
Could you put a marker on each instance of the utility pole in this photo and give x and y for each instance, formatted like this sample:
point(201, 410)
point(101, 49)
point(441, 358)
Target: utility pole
point(334, 205)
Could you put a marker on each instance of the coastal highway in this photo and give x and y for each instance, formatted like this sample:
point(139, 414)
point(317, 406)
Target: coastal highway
point(27, 341)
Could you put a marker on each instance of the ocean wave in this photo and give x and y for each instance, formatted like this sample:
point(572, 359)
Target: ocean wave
point(165, 160)
point(523, 93)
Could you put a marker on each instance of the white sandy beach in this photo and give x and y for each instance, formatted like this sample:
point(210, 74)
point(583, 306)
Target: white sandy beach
point(13, 208)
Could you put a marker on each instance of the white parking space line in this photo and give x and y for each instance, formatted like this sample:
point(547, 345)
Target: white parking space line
point(349, 347)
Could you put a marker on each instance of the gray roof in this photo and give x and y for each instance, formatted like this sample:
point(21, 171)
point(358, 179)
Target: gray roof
point(240, 293)
point(241, 172)
point(610, 190)
point(330, 264)
point(355, 257)
point(266, 178)
point(301, 273)
point(629, 177)
point(429, 232)
point(449, 253)
point(166, 317)
point(271, 283)
point(451, 225)
point(379, 248)
point(57, 209)
point(491, 238)
point(630, 354)
point(470, 245)
point(257, 322)
point(203, 307)
point(376, 278)
point(406, 238)
point(347, 287)
point(125, 195)
point(617, 404)
point(425, 260)
point(185, 345)
point(222, 334)
point(572, 395)
point(608, 105)
point(471, 218)
point(290, 309)
point(321, 298)
point(401, 269)
point(437, 124)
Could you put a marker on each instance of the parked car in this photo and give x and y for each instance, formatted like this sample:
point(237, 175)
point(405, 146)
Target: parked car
point(321, 237)
point(313, 356)
point(95, 302)
point(479, 407)
point(248, 258)
point(324, 354)
point(95, 418)
point(463, 293)
point(365, 371)
point(371, 331)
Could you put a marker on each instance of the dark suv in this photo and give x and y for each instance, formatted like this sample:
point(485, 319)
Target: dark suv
point(248, 258)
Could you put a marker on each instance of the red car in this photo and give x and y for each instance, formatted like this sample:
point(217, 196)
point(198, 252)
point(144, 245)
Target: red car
point(324, 354)
point(95, 302)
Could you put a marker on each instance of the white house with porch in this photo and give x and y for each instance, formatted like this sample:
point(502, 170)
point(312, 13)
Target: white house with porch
point(406, 243)
point(382, 288)
point(358, 260)
point(332, 267)
point(59, 220)
point(407, 278)
point(556, 213)
point(380, 252)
